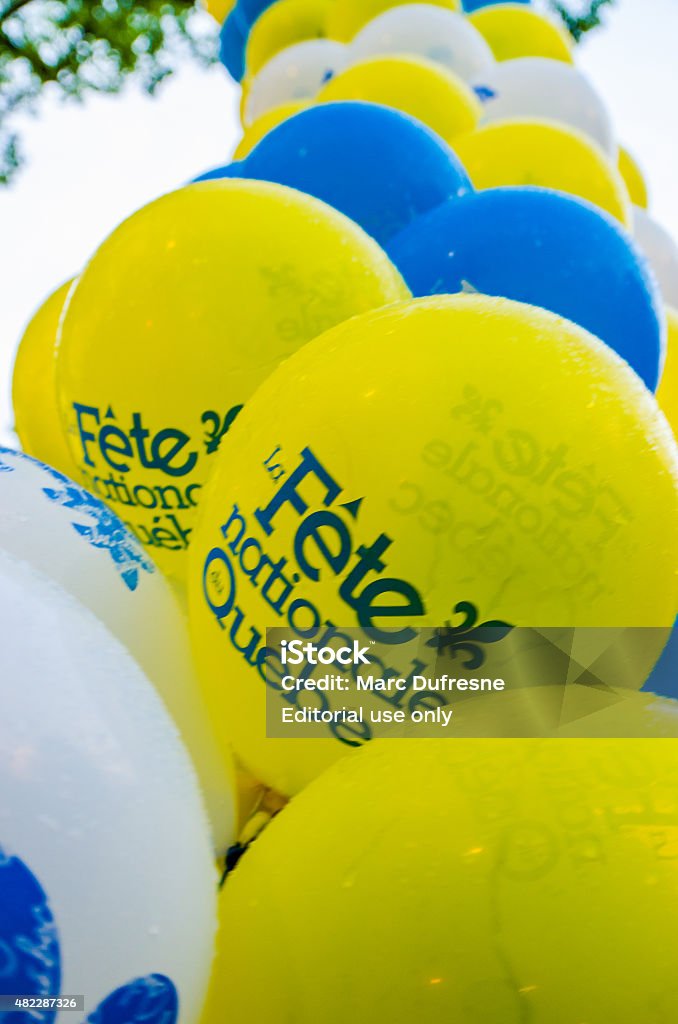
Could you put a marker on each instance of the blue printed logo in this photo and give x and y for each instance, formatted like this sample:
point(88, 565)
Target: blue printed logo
point(484, 93)
point(149, 1000)
point(106, 531)
point(30, 960)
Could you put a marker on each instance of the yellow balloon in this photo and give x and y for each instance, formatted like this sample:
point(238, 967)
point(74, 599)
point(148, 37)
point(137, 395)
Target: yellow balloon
point(667, 392)
point(36, 413)
point(421, 881)
point(346, 17)
point(427, 91)
point(550, 155)
point(178, 317)
point(281, 25)
point(264, 124)
point(219, 9)
point(633, 178)
point(254, 800)
point(460, 449)
point(249, 793)
point(513, 31)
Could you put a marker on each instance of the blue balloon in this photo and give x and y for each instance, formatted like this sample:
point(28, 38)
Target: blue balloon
point(475, 5)
point(547, 249)
point(247, 12)
point(664, 679)
point(383, 169)
point(232, 42)
point(227, 171)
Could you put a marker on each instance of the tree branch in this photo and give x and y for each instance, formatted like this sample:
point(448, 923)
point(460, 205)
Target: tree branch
point(579, 25)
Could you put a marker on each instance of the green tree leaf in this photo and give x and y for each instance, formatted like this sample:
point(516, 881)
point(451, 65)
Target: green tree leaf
point(578, 23)
point(73, 47)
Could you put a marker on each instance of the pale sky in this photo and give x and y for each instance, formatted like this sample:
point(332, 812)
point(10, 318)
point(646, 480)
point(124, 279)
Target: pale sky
point(91, 165)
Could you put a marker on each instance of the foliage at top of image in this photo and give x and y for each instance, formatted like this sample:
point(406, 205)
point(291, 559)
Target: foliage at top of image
point(579, 24)
point(73, 47)
point(79, 46)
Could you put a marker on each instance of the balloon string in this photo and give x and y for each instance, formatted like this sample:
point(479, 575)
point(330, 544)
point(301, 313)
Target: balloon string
point(269, 804)
point(260, 821)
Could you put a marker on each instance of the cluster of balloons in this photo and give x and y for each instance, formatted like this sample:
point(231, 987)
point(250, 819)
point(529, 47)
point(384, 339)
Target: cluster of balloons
point(411, 351)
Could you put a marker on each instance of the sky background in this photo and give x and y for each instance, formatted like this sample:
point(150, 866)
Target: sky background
point(90, 165)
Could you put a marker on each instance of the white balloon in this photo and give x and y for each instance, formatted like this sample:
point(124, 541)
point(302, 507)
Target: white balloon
point(423, 30)
point(77, 541)
point(550, 89)
point(296, 73)
point(106, 870)
point(661, 252)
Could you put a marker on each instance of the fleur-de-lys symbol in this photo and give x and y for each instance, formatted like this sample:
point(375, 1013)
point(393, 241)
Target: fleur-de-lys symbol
point(279, 279)
point(104, 529)
point(216, 427)
point(469, 637)
point(31, 959)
